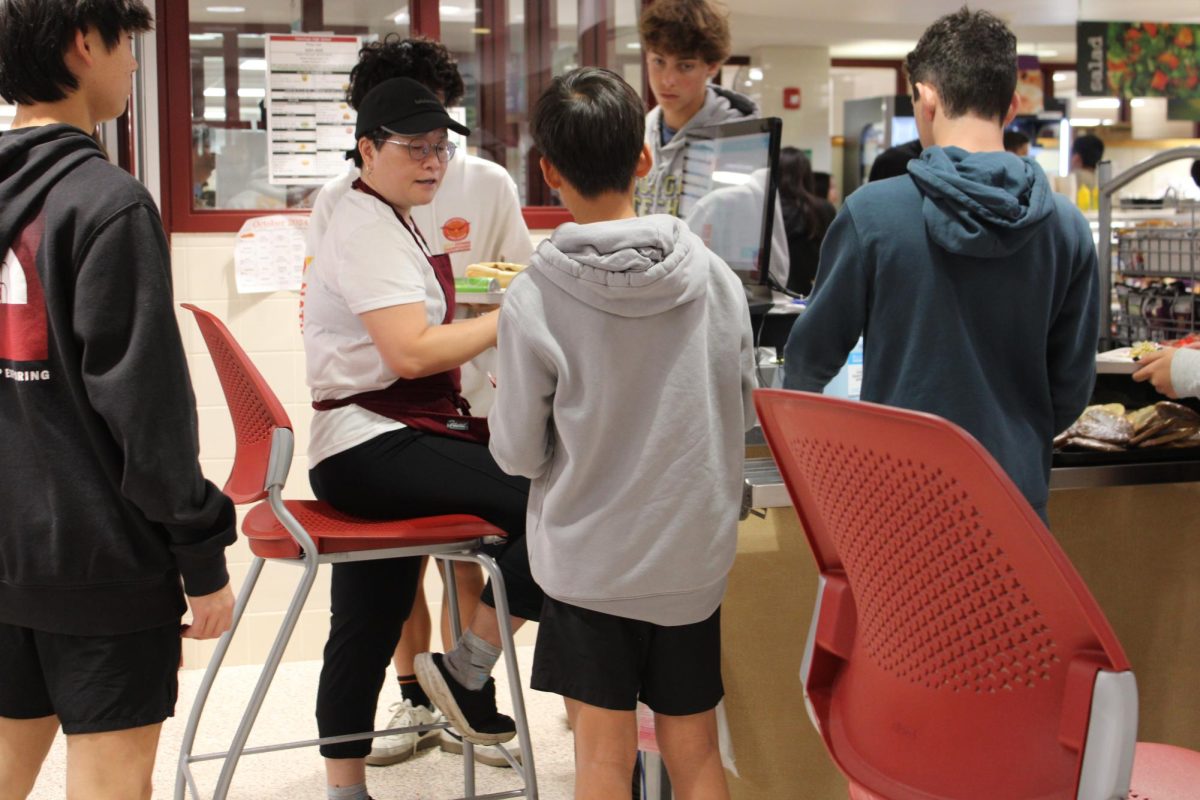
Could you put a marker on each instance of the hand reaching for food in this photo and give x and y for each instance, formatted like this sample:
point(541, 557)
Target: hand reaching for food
point(1156, 368)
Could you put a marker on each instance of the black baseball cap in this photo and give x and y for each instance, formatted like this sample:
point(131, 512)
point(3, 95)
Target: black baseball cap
point(404, 106)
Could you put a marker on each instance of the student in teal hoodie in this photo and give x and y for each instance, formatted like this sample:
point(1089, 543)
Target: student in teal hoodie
point(973, 284)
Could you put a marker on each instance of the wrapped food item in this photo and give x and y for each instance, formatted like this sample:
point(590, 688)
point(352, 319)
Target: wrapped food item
point(502, 271)
point(1096, 426)
point(1109, 428)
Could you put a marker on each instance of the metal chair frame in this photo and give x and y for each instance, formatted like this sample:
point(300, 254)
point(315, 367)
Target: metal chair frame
point(282, 443)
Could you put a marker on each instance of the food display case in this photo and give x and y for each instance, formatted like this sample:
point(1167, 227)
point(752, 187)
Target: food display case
point(1150, 269)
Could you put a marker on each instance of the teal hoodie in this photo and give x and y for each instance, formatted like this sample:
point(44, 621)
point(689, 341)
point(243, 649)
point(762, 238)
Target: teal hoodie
point(975, 289)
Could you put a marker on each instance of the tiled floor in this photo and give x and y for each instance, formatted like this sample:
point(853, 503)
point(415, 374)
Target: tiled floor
point(298, 774)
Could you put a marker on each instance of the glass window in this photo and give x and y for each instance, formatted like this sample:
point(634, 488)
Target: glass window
point(228, 91)
point(507, 50)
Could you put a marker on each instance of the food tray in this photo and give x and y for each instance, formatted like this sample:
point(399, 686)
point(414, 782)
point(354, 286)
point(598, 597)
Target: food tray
point(1116, 362)
point(1145, 455)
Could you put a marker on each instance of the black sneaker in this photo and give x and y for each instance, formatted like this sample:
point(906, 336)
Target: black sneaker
point(473, 713)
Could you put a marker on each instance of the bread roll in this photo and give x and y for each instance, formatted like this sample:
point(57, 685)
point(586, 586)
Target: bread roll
point(498, 270)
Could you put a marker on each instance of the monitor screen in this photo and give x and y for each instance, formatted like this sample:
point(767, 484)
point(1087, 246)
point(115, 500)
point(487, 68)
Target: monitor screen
point(729, 188)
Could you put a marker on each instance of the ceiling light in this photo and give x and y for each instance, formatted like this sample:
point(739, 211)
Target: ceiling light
point(481, 31)
point(634, 45)
point(1058, 77)
point(756, 74)
point(1137, 102)
point(400, 18)
point(225, 10)
point(1047, 54)
point(253, 64)
point(1085, 122)
point(452, 10)
point(204, 37)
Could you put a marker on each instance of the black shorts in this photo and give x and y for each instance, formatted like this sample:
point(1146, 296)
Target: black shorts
point(93, 684)
point(612, 662)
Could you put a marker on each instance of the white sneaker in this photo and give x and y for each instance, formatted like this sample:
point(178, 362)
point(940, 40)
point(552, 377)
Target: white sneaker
point(490, 755)
point(399, 747)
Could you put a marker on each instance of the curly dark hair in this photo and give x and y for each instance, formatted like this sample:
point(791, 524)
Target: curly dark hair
point(970, 57)
point(686, 29)
point(424, 60)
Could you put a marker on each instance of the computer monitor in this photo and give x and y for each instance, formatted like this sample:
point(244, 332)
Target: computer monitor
point(730, 183)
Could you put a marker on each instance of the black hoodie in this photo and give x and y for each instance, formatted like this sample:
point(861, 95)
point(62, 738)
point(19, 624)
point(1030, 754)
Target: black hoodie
point(103, 502)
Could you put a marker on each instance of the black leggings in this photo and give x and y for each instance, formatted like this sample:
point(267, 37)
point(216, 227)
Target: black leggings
point(396, 475)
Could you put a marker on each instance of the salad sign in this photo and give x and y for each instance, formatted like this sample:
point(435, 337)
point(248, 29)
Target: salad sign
point(1138, 59)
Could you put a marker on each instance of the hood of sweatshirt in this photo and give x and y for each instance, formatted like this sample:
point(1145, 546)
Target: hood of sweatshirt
point(631, 267)
point(720, 105)
point(32, 161)
point(983, 205)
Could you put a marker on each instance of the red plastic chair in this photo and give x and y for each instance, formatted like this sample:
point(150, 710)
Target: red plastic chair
point(309, 533)
point(955, 653)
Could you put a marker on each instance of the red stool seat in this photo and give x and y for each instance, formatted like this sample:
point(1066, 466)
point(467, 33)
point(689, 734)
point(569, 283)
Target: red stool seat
point(1163, 772)
point(335, 532)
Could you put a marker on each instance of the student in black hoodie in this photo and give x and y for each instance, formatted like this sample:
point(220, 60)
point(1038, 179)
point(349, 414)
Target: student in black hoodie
point(108, 521)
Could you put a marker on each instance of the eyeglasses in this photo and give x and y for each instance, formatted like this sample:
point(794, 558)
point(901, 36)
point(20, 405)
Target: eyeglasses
point(419, 149)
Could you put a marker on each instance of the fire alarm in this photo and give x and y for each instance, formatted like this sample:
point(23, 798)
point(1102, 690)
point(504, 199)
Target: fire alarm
point(791, 97)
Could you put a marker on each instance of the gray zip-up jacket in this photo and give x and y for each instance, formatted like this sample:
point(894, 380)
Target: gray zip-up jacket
point(624, 391)
point(661, 190)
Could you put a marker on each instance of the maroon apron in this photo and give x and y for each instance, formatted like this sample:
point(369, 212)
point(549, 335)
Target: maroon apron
point(434, 403)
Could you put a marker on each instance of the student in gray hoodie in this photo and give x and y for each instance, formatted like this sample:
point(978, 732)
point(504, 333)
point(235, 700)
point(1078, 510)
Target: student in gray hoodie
point(685, 43)
point(974, 285)
point(624, 391)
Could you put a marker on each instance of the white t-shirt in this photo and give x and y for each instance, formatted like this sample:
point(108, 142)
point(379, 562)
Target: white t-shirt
point(475, 216)
point(367, 261)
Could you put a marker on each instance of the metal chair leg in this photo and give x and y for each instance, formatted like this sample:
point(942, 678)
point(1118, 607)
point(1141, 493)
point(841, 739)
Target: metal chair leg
point(265, 677)
point(183, 777)
point(514, 673)
point(456, 630)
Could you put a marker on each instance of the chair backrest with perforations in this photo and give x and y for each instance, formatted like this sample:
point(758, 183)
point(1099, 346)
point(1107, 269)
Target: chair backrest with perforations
point(953, 627)
point(255, 410)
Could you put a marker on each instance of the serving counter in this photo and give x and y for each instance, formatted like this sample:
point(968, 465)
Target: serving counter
point(1132, 530)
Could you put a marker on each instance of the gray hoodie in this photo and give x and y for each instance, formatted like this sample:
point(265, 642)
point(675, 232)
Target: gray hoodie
point(661, 190)
point(624, 391)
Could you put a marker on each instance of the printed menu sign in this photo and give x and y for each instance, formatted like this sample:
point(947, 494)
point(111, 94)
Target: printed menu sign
point(1138, 59)
point(310, 126)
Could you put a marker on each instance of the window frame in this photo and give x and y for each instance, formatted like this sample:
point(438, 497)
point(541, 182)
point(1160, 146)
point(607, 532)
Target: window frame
point(175, 97)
